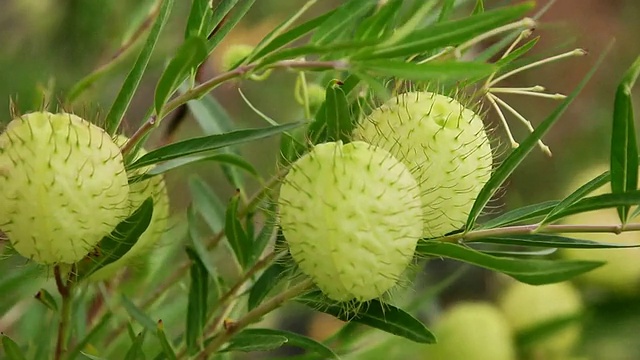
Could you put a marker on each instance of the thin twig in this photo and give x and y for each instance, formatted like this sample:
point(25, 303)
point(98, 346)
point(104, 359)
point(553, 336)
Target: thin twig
point(212, 83)
point(254, 316)
point(64, 288)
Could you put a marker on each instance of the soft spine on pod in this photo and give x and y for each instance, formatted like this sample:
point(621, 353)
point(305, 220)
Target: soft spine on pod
point(445, 146)
point(63, 186)
point(351, 215)
point(155, 188)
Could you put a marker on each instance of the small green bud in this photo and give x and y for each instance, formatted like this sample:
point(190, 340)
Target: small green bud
point(63, 186)
point(351, 214)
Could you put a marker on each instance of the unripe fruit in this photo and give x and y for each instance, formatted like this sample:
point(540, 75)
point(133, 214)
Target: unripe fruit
point(234, 55)
point(351, 214)
point(472, 331)
point(444, 145)
point(63, 186)
point(621, 273)
point(528, 306)
point(140, 191)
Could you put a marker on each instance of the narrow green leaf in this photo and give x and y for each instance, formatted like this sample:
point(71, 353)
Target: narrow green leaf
point(450, 70)
point(379, 25)
point(267, 231)
point(224, 158)
point(519, 215)
point(580, 193)
point(291, 35)
point(384, 317)
point(263, 342)
point(334, 28)
point(514, 253)
point(549, 240)
point(207, 203)
point(279, 30)
point(198, 245)
point(533, 272)
point(545, 330)
point(167, 349)
point(448, 33)
point(119, 242)
point(236, 236)
point(47, 300)
point(230, 22)
point(604, 201)
point(265, 283)
point(199, 17)
point(208, 143)
point(190, 55)
point(137, 314)
point(624, 147)
point(120, 105)
point(11, 349)
point(479, 8)
point(135, 351)
point(292, 339)
point(516, 156)
point(446, 10)
point(93, 334)
point(197, 305)
point(517, 53)
point(338, 117)
point(219, 13)
point(213, 119)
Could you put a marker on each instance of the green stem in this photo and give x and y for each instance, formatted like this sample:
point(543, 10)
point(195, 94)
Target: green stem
point(254, 316)
point(65, 290)
point(540, 229)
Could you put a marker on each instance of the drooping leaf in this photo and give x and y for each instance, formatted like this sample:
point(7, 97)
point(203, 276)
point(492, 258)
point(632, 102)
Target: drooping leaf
point(624, 147)
point(199, 17)
point(533, 272)
point(516, 156)
point(197, 241)
point(190, 55)
point(123, 99)
point(257, 342)
point(113, 246)
point(291, 339)
point(230, 22)
point(223, 158)
point(381, 23)
point(208, 143)
point(384, 317)
point(197, 304)
point(47, 299)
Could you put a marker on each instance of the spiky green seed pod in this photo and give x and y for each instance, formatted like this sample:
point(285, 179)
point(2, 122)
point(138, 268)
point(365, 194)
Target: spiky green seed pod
point(472, 331)
point(63, 186)
point(445, 146)
point(351, 214)
point(527, 307)
point(154, 187)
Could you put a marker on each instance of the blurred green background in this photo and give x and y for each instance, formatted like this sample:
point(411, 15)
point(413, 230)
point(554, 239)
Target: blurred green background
point(48, 45)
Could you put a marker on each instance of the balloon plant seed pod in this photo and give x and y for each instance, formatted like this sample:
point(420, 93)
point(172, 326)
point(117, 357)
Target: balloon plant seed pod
point(351, 215)
point(63, 186)
point(445, 146)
